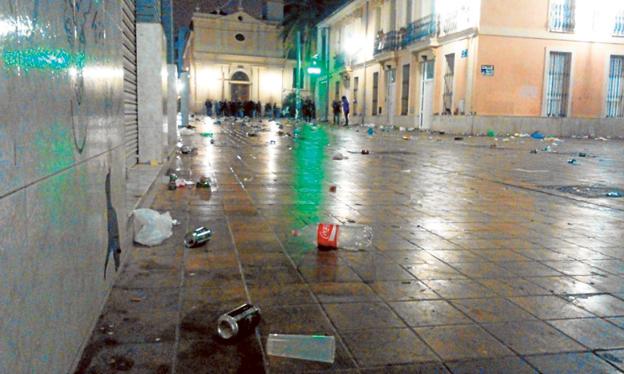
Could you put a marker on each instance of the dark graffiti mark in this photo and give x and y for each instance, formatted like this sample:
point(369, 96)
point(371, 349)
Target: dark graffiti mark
point(114, 247)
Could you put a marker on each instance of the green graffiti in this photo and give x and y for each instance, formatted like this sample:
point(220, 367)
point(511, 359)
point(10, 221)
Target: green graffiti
point(54, 148)
point(43, 59)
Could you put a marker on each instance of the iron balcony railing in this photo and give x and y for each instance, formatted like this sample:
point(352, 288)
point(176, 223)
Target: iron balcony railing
point(386, 42)
point(419, 30)
point(618, 29)
point(562, 17)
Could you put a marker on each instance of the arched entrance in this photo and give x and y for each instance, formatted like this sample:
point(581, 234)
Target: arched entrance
point(239, 86)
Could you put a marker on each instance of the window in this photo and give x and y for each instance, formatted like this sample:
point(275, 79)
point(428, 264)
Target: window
point(356, 84)
point(377, 20)
point(618, 29)
point(558, 84)
point(562, 15)
point(429, 70)
point(294, 84)
point(240, 37)
point(337, 91)
point(240, 76)
point(405, 80)
point(375, 93)
point(408, 12)
point(615, 93)
point(449, 78)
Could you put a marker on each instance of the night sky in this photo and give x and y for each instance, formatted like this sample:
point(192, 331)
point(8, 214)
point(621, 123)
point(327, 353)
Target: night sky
point(183, 9)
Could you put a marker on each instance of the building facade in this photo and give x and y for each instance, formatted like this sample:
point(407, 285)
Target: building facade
point(238, 57)
point(467, 66)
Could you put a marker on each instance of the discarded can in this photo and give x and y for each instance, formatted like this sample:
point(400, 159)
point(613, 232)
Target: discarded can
point(204, 182)
point(365, 151)
point(239, 321)
point(572, 161)
point(198, 237)
point(186, 150)
point(582, 154)
point(458, 138)
point(534, 151)
point(332, 188)
point(614, 194)
point(172, 185)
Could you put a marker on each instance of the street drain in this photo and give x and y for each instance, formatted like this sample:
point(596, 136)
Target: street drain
point(588, 191)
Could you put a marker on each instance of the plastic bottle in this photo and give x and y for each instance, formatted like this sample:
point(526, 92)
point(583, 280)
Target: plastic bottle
point(330, 236)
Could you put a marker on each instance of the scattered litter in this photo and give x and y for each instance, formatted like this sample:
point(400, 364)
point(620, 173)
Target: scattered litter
point(198, 237)
point(252, 134)
point(602, 139)
point(491, 133)
point(582, 154)
point(493, 146)
point(548, 149)
point(458, 138)
point(238, 322)
point(407, 137)
point(204, 182)
point(183, 183)
point(402, 129)
point(572, 161)
point(136, 299)
point(302, 347)
point(370, 131)
point(365, 151)
point(151, 228)
point(533, 151)
point(407, 171)
point(332, 188)
point(187, 149)
point(207, 134)
point(537, 135)
point(614, 194)
point(339, 156)
point(187, 132)
point(522, 135)
point(331, 236)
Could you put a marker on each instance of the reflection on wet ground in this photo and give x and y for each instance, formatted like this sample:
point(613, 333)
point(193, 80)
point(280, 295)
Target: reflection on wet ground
point(482, 262)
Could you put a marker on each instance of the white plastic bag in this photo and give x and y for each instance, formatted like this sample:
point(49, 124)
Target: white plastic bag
point(152, 228)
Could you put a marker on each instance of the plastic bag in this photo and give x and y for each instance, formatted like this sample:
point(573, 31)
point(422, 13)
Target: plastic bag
point(152, 228)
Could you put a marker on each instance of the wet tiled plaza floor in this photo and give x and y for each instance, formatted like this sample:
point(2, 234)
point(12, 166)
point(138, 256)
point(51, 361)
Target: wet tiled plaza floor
point(480, 264)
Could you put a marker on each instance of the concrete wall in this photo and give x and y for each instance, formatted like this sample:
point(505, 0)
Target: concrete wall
point(61, 131)
point(563, 127)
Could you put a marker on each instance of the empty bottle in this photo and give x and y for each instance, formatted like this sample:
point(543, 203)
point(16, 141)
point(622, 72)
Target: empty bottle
point(238, 322)
point(303, 347)
point(330, 236)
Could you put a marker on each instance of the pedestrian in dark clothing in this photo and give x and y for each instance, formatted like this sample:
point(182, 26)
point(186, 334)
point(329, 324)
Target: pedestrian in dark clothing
point(259, 109)
point(208, 107)
point(268, 110)
point(345, 109)
point(336, 110)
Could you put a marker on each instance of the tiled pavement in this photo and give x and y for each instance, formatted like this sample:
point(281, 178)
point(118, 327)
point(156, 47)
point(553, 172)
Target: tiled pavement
point(479, 265)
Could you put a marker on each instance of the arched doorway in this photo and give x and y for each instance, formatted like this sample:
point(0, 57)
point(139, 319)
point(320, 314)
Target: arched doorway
point(239, 86)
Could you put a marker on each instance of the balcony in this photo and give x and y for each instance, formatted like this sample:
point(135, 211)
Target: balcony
point(386, 42)
point(618, 29)
point(562, 17)
point(419, 30)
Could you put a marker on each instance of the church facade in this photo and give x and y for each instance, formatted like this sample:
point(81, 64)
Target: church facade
point(237, 56)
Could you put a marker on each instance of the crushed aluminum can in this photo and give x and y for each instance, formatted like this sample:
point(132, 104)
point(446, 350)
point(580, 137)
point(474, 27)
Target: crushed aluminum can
point(204, 182)
point(198, 237)
point(172, 185)
point(238, 322)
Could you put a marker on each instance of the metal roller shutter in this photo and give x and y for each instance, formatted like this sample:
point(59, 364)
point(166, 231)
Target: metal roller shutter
point(131, 119)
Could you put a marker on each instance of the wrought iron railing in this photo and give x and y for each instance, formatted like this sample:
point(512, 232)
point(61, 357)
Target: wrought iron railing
point(419, 30)
point(562, 17)
point(386, 42)
point(618, 29)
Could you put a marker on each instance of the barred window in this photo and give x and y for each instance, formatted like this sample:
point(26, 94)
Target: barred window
point(375, 93)
point(615, 94)
point(558, 84)
point(405, 79)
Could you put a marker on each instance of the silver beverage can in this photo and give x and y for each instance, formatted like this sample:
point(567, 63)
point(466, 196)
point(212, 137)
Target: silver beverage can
point(198, 237)
point(238, 322)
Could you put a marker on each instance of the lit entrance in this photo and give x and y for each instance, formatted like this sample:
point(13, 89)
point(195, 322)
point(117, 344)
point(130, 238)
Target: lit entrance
point(239, 86)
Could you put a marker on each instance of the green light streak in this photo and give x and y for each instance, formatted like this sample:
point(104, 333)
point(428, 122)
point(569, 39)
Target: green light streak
point(43, 59)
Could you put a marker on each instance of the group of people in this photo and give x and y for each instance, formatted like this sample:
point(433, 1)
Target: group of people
point(240, 109)
point(341, 106)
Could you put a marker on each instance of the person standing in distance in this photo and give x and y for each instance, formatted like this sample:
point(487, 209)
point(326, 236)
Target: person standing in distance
point(345, 109)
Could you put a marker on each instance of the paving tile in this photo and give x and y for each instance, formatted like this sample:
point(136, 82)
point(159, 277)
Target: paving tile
point(243, 356)
point(328, 274)
point(381, 272)
point(343, 362)
point(529, 268)
point(281, 294)
point(462, 342)
point(564, 285)
point(491, 310)
point(459, 288)
point(594, 333)
point(421, 368)
point(532, 337)
point(500, 365)
point(586, 362)
point(344, 293)
point(615, 357)
point(362, 316)
point(401, 346)
point(550, 307)
point(112, 357)
point(429, 313)
point(403, 290)
point(513, 287)
point(434, 271)
point(601, 305)
point(299, 319)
